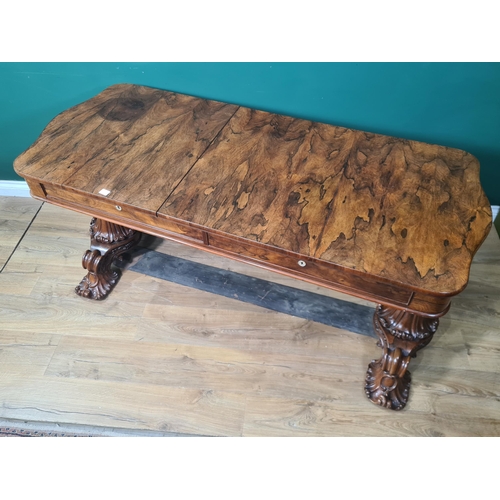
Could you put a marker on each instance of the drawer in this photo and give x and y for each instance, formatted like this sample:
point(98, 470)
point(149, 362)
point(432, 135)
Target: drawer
point(122, 212)
point(316, 271)
point(320, 272)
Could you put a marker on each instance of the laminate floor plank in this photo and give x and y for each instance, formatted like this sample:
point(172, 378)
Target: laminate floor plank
point(205, 368)
point(264, 331)
point(27, 348)
point(288, 417)
point(17, 283)
point(134, 406)
point(482, 346)
point(56, 315)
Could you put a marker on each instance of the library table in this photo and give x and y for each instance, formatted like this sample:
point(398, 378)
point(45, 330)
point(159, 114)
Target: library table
point(389, 220)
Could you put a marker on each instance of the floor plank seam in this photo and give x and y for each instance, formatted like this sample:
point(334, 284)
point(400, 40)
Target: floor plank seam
point(21, 238)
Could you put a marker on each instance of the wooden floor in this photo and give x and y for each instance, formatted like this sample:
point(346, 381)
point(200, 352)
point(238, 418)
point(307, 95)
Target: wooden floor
point(163, 358)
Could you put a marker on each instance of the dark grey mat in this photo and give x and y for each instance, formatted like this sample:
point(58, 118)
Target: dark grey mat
point(312, 306)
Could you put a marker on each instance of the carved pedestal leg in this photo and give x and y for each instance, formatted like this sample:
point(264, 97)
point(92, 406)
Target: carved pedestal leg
point(401, 335)
point(108, 241)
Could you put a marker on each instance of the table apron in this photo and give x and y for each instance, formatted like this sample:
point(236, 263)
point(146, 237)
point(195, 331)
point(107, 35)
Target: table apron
point(321, 273)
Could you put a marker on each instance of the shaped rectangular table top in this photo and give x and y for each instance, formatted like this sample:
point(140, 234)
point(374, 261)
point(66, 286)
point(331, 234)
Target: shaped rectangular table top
point(409, 213)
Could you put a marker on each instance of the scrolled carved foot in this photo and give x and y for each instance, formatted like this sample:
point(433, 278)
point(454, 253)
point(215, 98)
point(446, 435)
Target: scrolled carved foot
point(100, 279)
point(108, 242)
point(384, 388)
point(401, 334)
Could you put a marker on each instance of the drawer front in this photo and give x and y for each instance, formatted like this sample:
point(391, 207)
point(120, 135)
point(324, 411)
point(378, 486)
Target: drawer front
point(120, 210)
point(319, 272)
point(313, 270)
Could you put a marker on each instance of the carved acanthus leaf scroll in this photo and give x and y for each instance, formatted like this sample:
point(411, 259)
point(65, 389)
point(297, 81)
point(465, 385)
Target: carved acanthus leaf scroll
point(401, 334)
point(108, 241)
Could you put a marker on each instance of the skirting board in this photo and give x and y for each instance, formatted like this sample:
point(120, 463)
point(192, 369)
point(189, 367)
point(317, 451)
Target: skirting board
point(20, 188)
point(495, 209)
point(14, 188)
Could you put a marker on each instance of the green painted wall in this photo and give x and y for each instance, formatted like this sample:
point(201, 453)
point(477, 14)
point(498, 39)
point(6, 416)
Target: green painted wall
point(453, 104)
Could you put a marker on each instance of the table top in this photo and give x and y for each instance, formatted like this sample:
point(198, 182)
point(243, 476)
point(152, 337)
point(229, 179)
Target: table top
point(405, 211)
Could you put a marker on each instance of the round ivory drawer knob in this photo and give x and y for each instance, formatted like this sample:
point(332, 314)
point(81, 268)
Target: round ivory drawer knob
point(118, 208)
point(302, 263)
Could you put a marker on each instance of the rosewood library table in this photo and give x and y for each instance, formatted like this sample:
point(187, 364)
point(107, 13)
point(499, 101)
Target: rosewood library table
point(393, 221)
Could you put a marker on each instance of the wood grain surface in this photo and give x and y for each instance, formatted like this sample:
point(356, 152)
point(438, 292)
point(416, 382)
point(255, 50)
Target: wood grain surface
point(398, 209)
point(407, 212)
point(158, 356)
point(136, 142)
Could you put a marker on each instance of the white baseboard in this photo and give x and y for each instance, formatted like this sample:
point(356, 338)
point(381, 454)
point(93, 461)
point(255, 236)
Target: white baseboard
point(20, 188)
point(495, 209)
point(14, 188)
